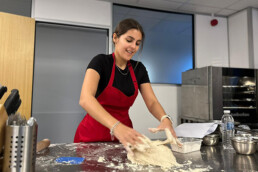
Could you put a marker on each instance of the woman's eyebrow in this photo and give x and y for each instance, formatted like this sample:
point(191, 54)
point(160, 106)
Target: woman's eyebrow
point(134, 38)
point(131, 37)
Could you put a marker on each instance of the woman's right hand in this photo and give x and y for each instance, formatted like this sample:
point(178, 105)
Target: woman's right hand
point(127, 136)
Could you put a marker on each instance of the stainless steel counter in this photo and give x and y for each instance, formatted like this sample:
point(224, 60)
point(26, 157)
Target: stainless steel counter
point(112, 157)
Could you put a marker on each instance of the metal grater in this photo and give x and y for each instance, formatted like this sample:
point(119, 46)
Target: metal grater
point(20, 148)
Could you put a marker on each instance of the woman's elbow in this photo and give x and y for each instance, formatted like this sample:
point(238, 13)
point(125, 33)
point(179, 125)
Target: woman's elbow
point(83, 102)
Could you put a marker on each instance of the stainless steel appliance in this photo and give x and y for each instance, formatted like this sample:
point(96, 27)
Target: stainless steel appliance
point(207, 91)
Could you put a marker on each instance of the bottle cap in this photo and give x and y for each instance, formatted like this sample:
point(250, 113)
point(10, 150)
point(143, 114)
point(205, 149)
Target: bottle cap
point(226, 111)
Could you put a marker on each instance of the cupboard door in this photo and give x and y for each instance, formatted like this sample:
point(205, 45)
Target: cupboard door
point(16, 57)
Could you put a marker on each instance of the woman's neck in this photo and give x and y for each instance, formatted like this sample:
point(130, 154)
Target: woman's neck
point(120, 62)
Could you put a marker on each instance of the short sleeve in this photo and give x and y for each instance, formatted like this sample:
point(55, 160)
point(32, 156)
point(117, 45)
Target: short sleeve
point(141, 73)
point(97, 64)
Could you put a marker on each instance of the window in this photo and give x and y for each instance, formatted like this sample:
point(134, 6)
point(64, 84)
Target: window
point(168, 47)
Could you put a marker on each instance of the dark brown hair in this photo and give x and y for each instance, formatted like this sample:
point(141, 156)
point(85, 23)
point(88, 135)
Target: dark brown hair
point(128, 24)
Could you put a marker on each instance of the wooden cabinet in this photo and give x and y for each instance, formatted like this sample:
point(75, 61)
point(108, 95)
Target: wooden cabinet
point(17, 57)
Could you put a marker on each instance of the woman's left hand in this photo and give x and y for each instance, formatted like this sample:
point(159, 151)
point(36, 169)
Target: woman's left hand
point(166, 123)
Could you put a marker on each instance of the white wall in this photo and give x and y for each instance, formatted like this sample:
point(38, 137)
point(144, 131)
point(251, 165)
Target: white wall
point(84, 12)
point(92, 13)
point(211, 42)
point(169, 97)
point(238, 40)
point(255, 36)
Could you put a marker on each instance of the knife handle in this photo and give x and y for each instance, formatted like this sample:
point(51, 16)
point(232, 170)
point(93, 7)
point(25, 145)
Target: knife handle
point(3, 118)
point(3, 89)
point(13, 102)
point(43, 144)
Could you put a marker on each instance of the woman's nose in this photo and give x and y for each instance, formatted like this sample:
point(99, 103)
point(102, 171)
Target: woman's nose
point(133, 45)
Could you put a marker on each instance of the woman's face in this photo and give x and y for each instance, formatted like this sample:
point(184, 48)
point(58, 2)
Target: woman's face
point(127, 44)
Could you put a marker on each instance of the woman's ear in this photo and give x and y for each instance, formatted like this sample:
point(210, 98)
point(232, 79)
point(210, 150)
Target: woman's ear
point(115, 38)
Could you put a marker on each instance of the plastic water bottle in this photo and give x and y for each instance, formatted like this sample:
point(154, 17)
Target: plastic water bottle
point(227, 129)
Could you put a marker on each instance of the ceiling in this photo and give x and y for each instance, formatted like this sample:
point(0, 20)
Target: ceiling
point(209, 7)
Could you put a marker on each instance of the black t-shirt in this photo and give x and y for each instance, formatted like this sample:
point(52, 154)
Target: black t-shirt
point(103, 65)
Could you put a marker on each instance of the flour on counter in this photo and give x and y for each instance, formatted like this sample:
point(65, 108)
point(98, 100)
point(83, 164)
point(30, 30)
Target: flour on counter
point(186, 168)
point(53, 145)
point(101, 159)
point(188, 162)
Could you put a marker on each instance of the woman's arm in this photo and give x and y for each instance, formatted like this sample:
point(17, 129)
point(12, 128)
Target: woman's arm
point(155, 108)
point(88, 101)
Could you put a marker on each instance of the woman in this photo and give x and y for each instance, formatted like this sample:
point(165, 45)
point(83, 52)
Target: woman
point(110, 87)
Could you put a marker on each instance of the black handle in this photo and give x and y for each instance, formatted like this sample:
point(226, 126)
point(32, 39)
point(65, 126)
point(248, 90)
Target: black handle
point(13, 102)
point(3, 89)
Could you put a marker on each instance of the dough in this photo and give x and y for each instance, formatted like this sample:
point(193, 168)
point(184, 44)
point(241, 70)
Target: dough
point(152, 153)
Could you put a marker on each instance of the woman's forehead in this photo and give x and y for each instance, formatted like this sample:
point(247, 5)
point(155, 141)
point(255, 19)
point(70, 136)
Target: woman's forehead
point(134, 33)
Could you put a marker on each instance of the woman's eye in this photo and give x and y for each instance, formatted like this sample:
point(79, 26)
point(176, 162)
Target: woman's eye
point(128, 40)
point(138, 43)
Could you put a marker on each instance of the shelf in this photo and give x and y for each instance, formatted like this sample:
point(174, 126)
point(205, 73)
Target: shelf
point(240, 100)
point(237, 86)
point(234, 76)
point(226, 107)
point(240, 92)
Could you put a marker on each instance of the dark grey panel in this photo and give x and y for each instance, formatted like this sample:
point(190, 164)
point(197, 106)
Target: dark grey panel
point(19, 7)
point(195, 101)
point(195, 76)
point(62, 54)
point(215, 74)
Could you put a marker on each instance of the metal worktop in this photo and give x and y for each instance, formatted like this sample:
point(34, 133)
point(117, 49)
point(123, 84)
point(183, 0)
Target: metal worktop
point(112, 157)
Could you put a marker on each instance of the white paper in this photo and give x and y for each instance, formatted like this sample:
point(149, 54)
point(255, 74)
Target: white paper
point(196, 130)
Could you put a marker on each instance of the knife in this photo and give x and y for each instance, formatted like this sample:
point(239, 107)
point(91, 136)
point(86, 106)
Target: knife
point(3, 89)
point(3, 117)
point(10, 106)
point(13, 102)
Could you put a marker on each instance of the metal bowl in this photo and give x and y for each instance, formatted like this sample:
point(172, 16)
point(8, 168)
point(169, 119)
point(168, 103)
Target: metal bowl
point(245, 135)
point(244, 145)
point(211, 139)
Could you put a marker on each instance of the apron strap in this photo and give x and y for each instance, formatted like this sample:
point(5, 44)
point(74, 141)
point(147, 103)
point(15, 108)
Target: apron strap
point(133, 76)
point(110, 83)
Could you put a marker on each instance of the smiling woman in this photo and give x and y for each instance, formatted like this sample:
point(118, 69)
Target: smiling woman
point(110, 88)
point(126, 45)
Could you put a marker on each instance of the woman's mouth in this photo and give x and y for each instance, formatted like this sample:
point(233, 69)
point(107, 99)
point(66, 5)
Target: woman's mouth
point(130, 52)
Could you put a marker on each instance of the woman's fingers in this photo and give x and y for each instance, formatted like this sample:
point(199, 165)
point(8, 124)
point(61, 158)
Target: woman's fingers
point(127, 135)
point(155, 130)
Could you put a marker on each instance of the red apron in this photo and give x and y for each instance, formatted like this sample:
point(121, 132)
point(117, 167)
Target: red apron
point(116, 103)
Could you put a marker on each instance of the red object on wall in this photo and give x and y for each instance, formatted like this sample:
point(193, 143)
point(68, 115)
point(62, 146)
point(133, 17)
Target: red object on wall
point(214, 22)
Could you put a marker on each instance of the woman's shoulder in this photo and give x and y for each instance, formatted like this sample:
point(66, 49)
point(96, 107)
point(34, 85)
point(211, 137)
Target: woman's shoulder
point(140, 72)
point(137, 64)
point(103, 57)
point(101, 61)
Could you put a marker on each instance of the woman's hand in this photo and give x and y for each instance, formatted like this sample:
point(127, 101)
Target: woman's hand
point(165, 123)
point(127, 136)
